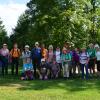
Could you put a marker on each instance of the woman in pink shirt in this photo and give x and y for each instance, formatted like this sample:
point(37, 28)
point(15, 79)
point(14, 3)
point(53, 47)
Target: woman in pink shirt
point(4, 53)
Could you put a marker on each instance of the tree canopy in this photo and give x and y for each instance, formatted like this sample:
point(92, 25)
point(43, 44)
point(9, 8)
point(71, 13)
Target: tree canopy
point(57, 21)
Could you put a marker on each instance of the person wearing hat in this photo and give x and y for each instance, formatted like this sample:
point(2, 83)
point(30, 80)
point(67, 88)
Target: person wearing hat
point(92, 54)
point(27, 63)
point(26, 54)
point(57, 55)
point(4, 52)
point(84, 60)
point(15, 55)
point(66, 58)
point(36, 55)
point(43, 70)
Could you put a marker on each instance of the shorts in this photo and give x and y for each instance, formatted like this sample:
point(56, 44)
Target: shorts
point(28, 67)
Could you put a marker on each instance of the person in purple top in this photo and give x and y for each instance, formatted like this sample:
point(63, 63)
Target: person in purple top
point(75, 59)
point(4, 54)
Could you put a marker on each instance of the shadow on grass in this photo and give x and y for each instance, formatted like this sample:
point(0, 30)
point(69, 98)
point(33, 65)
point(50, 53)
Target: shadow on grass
point(75, 85)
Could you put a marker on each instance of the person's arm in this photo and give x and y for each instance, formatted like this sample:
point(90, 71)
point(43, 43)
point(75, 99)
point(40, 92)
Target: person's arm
point(11, 53)
point(41, 56)
point(87, 58)
point(19, 52)
point(31, 53)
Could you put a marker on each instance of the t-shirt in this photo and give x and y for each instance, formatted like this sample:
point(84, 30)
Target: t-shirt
point(4, 52)
point(98, 55)
point(91, 53)
point(58, 56)
point(66, 57)
point(83, 58)
point(36, 53)
point(27, 67)
point(26, 56)
point(50, 56)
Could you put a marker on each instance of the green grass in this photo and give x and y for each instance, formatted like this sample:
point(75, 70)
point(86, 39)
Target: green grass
point(12, 88)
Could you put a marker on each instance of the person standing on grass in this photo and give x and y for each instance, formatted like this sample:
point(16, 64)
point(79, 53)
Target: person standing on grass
point(50, 54)
point(66, 59)
point(57, 55)
point(4, 52)
point(98, 60)
point(84, 60)
point(75, 59)
point(92, 54)
point(36, 55)
point(15, 55)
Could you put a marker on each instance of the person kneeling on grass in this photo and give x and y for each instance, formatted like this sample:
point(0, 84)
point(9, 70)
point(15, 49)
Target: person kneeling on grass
point(43, 71)
point(66, 60)
point(55, 69)
point(27, 64)
point(84, 60)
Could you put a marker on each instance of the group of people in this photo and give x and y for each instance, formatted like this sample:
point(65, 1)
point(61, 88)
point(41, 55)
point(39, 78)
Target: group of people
point(44, 63)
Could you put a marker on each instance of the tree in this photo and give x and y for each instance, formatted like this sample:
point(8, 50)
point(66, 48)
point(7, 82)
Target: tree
point(3, 33)
point(57, 21)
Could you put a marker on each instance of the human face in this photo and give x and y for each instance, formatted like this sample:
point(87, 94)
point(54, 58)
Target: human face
point(4, 46)
point(15, 46)
point(91, 46)
point(26, 49)
point(83, 50)
point(37, 45)
point(64, 51)
point(58, 49)
point(43, 46)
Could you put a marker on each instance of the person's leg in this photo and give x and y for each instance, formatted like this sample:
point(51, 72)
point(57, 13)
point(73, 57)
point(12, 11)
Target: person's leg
point(34, 68)
point(17, 64)
point(93, 66)
point(6, 68)
point(12, 66)
point(79, 69)
point(67, 70)
point(82, 66)
point(86, 68)
point(74, 68)
point(60, 73)
point(64, 70)
point(2, 69)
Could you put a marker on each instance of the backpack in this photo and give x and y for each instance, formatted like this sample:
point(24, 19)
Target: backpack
point(17, 52)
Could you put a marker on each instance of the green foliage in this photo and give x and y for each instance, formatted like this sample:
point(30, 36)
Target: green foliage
point(57, 21)
point(3, 34)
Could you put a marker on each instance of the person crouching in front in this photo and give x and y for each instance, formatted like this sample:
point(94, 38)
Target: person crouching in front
point(43, 70)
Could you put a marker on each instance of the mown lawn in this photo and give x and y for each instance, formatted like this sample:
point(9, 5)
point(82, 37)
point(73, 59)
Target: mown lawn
point(12, 88)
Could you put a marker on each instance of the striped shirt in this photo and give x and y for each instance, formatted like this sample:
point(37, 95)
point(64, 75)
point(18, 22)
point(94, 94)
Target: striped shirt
point(84, 58)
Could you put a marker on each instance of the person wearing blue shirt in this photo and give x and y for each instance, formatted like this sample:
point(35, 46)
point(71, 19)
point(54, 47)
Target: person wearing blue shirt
point(36, 55)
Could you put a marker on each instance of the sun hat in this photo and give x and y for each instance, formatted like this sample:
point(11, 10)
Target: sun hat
point(26, 46)
point(36, 43)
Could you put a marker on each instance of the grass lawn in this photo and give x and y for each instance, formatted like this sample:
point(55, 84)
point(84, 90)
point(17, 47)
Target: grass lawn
point(12, 88)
